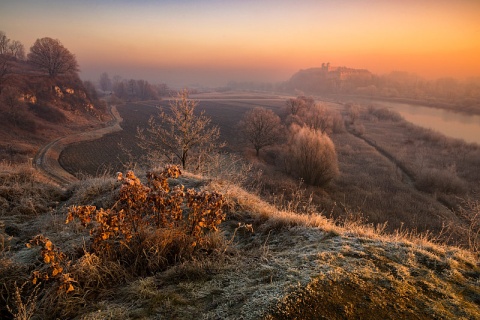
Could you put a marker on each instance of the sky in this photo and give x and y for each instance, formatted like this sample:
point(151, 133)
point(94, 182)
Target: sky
point(189, 42)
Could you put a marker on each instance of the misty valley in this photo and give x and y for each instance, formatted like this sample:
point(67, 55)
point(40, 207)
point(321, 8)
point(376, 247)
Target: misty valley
point(183, 189)
point(391, 172)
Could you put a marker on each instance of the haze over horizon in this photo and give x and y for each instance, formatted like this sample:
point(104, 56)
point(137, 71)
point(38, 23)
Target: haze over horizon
point(213, 42)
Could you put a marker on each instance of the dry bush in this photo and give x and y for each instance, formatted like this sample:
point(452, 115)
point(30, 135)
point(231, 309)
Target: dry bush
point(311, 156)
point(385, 114)
point(338, 124)
point(23, 308)
point(358, 129)
point(318, 117)
point(469, 211)
point(295, 199)
point(437, 180)
point(22, 193)
point(11, 274)
point(227, 167)
point(148, 228)
point(353, 112)
point(100, 192)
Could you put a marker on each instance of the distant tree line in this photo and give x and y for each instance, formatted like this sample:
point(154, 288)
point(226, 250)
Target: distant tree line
point(445, 92)
point(131, 89)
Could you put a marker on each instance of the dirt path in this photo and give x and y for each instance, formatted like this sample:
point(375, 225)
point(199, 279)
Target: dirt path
point(46, 159)
point(407, 175)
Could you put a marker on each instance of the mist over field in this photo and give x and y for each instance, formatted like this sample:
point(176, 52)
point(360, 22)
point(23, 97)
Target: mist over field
point(212, 42)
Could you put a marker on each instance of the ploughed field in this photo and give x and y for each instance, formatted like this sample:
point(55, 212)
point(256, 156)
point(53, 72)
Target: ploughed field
point(93, 158)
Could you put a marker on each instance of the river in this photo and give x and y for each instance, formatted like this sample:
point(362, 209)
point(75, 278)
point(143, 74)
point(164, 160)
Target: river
point(452, 124)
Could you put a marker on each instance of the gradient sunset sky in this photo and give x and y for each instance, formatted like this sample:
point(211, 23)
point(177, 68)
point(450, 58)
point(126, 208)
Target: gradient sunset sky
point(185, 42)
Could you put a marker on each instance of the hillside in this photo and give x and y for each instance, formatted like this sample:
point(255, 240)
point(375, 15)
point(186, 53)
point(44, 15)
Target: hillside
point(37, 107)
point(262, 263)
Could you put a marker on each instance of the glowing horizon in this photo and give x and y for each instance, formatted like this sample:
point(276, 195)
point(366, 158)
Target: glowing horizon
point(212, 42)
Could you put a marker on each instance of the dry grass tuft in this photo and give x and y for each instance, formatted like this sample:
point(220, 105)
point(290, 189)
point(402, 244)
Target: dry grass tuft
point(23, 193)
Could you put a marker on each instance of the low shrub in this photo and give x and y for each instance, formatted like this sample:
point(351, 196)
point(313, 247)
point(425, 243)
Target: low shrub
point(437, 180)
point(149, 227)
point(21, 193)
point(385, 114)
point(311, 156)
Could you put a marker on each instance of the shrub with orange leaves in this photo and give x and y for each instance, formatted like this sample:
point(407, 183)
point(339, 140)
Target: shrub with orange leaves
point(54, 264)
point(154, 207)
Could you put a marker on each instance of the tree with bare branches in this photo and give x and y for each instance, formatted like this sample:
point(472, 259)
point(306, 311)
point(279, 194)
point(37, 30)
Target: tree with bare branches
point(180, 135)
point(261, 127)
point(51, 57)
point(293, 106)
point(105, 82)
point(10, 52)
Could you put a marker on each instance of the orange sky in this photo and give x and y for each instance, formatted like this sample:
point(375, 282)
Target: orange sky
point(211, 42)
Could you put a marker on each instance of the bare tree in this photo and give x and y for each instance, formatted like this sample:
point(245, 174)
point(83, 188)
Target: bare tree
point(4, 43)
point(293, 106)
point(120, 90)
point(105, 82)
point(50, 56)
point(90, 90)
point(261, 127)
point(17, 50)
point(145, 90)
point(317, 118)
point(10, 50)
point(353, 111)
point(180, 135)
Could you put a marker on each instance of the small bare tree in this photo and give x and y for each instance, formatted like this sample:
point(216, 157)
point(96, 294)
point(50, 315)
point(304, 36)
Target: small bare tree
point(105, 82)
point(17, 50)
point(318, 118)
point(294, 105)
point(353, 111)
point(10, 51)
point(261, 127)
point(180, 135)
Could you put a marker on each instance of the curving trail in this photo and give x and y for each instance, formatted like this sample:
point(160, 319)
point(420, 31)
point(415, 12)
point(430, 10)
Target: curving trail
point(407, 176)
point(46, 159)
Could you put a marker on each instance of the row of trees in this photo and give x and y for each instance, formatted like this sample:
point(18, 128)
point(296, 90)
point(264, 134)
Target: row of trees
point(131, 89)
point(181, 136)
point(305, 149)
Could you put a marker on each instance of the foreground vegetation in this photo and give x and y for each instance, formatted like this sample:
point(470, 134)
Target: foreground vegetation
point(151, 247)
point(389, 171)
point(250, 261)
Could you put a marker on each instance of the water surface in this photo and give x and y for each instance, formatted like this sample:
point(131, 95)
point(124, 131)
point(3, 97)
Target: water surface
point(452, 124)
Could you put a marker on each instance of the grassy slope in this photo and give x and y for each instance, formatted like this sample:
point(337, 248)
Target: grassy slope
point(291, 267)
